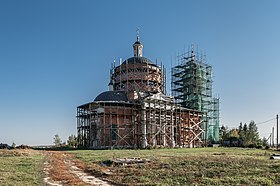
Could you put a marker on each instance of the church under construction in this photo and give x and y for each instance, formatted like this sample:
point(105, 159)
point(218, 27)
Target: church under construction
point(137, 113)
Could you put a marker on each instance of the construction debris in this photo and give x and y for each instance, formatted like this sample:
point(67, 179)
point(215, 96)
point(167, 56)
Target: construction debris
point(275, 157)
point(130, 161)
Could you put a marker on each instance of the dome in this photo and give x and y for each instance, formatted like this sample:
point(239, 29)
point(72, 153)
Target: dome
point(119, 96)
point(138, 60)
point(137, 43)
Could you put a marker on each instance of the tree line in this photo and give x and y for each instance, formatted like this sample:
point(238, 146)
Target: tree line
point(242, 136)
point(71, 142)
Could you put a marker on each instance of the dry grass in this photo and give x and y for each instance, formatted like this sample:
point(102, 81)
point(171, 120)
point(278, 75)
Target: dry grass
point(59, 171)
point(18, 152)
point(21, 167)
point(205, 166)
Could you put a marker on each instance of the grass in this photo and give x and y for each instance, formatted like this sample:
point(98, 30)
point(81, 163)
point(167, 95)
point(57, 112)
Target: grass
point(201, 166)
point(20, 167)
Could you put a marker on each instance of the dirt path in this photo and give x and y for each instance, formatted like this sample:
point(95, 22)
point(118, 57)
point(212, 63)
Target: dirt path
point(60, 169)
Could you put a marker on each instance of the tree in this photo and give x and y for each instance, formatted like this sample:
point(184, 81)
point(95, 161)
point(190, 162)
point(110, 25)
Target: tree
point(223, 133)
point(250, 135)
point(57, 140)
point(264, 142)
point(253, 134)
point(245, 128)
point(240, 128)
point(234, 133)
point(245, 135)
point(72, 141)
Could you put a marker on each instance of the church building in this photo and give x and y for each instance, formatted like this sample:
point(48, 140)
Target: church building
point(136, 112)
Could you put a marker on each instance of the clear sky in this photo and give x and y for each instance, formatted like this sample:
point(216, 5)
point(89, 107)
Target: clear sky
point(56, 55)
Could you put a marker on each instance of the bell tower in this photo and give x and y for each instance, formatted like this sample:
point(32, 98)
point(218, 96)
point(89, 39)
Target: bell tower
point(137, 46)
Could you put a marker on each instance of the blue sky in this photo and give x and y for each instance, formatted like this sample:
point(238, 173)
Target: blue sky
point(56, 55)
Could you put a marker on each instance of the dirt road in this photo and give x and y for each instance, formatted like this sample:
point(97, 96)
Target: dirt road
point(60, 169)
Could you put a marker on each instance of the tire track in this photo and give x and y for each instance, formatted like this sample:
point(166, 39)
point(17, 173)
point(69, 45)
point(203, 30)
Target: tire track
point(60, 170)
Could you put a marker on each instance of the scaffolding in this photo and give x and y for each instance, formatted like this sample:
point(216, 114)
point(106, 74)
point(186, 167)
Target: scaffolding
point(137, 113)
point(191, 86)
point(106, 124)
point(140, 72)
point(156, 121)
point(170, 125)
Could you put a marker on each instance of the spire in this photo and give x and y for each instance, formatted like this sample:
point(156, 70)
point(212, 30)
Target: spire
point(192, 53)
point(137, 46)
point(137, 32)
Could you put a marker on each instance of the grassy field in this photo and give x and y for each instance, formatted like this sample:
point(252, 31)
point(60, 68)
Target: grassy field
point(202, 166)
point(21, 167)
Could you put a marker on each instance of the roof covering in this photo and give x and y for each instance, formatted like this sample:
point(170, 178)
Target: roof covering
point(139, 60)
point(113, 96)
point(138, 43)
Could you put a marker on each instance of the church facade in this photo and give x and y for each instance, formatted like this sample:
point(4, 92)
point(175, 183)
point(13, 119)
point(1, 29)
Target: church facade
point(136, 112)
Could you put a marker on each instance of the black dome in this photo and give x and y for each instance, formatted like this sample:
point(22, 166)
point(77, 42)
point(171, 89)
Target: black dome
point(138, 60)
point(138, 43)
point(112, 96)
